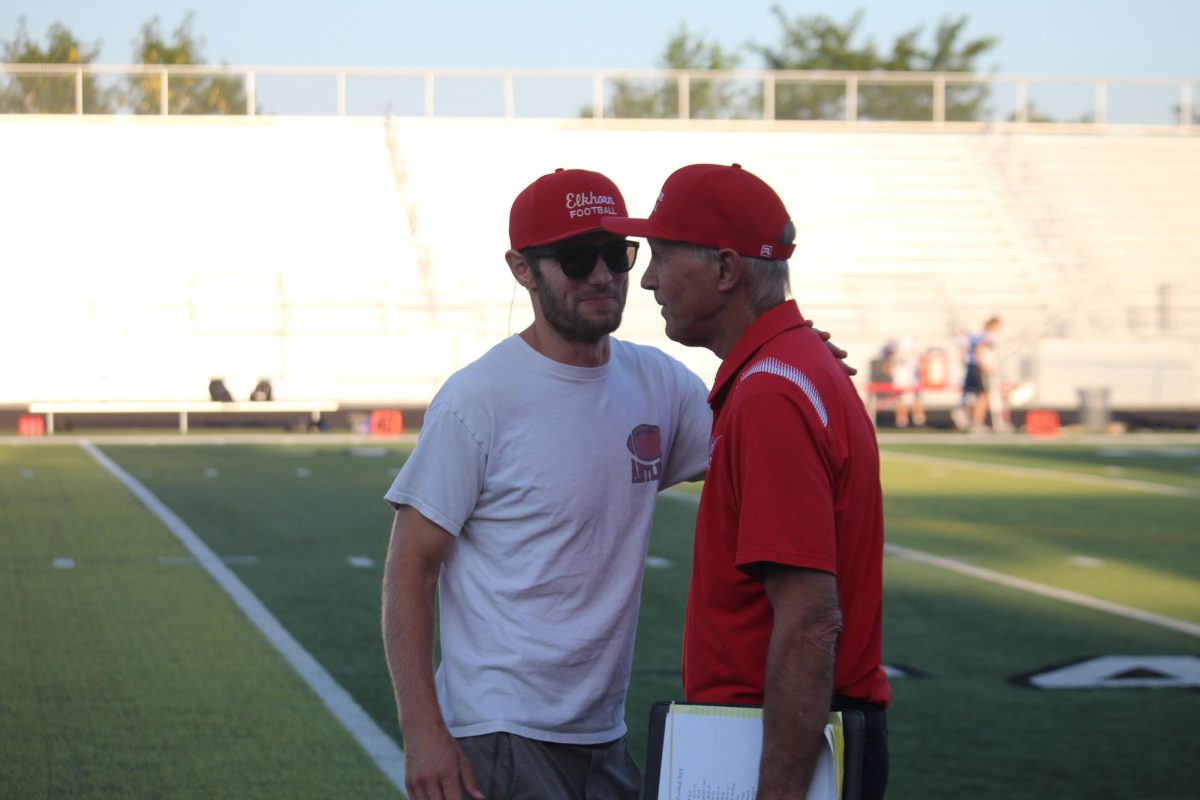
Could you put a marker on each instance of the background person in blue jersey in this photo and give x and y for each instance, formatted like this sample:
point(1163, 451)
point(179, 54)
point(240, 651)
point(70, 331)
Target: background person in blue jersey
point(979, 357)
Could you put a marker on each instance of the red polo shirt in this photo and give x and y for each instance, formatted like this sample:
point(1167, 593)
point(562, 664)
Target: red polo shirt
point(793, 478)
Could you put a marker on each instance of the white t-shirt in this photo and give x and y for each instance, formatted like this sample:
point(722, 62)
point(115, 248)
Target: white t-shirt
point(547, 474)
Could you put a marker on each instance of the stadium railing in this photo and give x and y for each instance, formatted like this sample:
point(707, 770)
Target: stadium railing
point(729, 94)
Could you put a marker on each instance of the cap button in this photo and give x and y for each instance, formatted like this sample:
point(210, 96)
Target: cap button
point(737, 166)
point(560, 169)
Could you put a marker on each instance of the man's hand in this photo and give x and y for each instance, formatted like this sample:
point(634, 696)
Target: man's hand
point(435, 768)
point(838, 352)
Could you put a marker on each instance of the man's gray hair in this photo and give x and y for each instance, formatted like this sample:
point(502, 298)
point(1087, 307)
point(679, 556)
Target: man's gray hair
point(770, 283)
point(769, 280)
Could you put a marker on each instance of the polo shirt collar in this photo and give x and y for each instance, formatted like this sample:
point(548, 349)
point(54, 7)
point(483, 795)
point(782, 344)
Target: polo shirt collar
point(782, 317)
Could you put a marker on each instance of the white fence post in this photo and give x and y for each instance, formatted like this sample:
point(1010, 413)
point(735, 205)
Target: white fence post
point(510, 103)
point(598, 96)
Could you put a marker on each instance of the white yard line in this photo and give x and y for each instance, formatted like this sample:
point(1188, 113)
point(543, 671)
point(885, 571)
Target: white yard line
point(1011, 582)
point(1183, 626)
point(386, 754)
point(1040, 472)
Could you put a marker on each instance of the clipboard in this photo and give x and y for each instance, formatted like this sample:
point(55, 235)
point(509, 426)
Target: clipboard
point(718, 747)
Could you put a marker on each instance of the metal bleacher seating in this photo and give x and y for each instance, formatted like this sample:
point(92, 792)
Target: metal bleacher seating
point(362, 259)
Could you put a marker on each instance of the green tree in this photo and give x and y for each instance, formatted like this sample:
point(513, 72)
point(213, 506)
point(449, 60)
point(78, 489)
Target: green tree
point(49, 94)
point(186, 94)
point(709, 98)
point(1034, 114)
point(817, 42)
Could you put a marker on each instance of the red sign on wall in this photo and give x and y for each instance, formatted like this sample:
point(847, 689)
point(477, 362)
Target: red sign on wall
point(386, 423)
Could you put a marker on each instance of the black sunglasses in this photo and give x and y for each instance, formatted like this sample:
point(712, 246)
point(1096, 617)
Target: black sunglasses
point(577, 260)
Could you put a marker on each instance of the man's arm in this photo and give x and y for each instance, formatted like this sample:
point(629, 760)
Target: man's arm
point(799, 680)
point(434, 765)
point(985, 357)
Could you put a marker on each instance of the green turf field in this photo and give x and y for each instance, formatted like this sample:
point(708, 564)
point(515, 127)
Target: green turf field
point(128, 672)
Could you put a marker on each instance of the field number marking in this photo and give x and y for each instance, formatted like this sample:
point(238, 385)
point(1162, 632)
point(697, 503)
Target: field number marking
point(1119, 672)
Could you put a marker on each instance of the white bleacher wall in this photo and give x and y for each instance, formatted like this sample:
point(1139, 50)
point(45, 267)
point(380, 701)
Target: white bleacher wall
point(362, 260)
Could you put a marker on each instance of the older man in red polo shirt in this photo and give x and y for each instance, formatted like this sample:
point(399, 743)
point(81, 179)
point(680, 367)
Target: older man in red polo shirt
point(785, 604)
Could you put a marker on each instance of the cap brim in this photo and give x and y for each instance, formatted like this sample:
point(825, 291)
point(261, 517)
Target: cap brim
point(561, 237)
point(627, 226)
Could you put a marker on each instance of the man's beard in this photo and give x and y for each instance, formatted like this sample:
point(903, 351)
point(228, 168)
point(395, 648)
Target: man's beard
point(569, 323)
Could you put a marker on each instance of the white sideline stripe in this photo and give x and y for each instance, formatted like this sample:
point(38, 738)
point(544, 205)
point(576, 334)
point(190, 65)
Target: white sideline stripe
point(1038, 472)
point(1013, 583)
point(386, 754)
point(1042, 589)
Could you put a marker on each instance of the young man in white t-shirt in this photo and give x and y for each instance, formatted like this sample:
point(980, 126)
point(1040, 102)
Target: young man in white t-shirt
point(526, 509)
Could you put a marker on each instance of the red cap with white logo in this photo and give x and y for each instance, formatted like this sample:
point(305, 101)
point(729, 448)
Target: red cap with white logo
point(716, 206)
point(565, 203)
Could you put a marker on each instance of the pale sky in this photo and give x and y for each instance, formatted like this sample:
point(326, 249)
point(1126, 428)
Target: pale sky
point(1061, 37)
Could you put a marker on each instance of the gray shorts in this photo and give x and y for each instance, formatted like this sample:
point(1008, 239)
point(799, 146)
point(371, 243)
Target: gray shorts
point(511, 767)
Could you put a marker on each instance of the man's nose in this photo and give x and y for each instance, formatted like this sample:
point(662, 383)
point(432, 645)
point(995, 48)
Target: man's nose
point(600, 273)
point(649, 279)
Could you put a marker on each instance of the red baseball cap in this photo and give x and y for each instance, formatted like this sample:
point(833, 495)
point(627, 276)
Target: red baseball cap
point(565, 203)
point(716, 206)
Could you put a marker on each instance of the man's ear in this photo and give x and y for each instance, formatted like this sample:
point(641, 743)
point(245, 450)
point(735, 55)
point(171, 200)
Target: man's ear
point(729, 269)
point(521, 269)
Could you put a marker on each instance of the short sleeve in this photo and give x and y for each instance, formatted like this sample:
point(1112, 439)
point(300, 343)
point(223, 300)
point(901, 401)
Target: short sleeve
point(784, 485)
point(444, 475)
point(688, 456)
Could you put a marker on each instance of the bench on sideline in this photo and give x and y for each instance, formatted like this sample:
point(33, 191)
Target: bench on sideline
point(181, 407)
